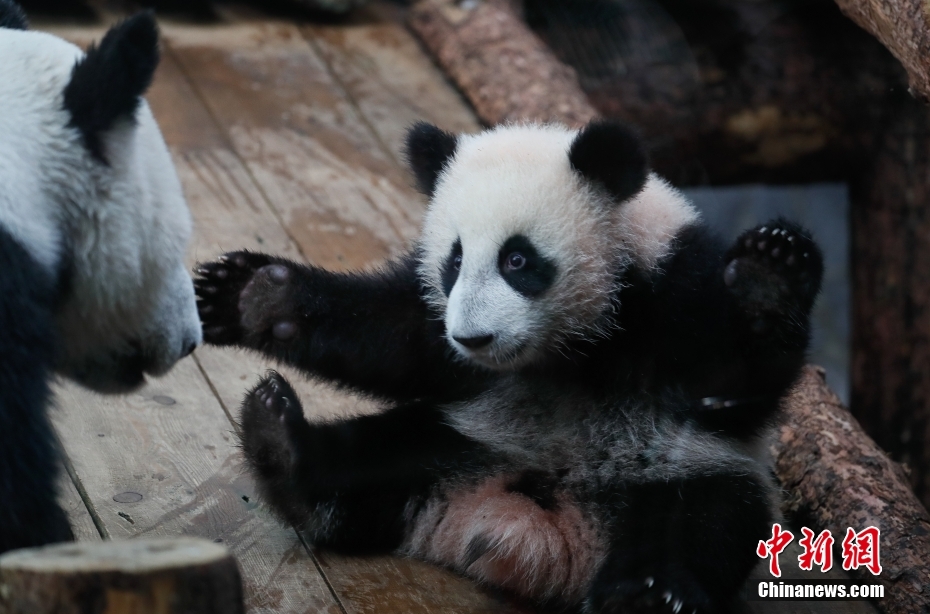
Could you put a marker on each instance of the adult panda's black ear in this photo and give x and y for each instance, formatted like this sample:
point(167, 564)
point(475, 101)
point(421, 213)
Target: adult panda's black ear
point(429, 150)
point(107, 84)
point(12, 16)
point(612, 155)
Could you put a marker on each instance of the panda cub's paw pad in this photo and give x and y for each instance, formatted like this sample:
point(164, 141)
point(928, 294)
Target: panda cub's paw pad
point(774, 267)
point(271, 412)
point(266, 303)
point(218, 285)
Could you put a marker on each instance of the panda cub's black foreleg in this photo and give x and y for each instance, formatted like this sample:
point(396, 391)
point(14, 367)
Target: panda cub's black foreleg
point(683, 545)
point(347, 484)
point(369, 331)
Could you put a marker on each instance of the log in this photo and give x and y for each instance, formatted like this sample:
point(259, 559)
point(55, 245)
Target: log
point(903, 26)
point(837, 477)
point(139, 576)
point(505, 71)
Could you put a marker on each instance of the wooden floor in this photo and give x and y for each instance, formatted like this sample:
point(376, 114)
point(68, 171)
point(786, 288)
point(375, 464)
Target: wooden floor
point(287, 137)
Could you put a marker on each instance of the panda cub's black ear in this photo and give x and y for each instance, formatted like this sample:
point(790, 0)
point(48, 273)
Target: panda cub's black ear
point(612, 155)
point(429, 150)
point(106, 85)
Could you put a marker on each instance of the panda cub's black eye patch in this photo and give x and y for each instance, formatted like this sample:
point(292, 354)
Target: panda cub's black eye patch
point(524, 268)
point(451, 267)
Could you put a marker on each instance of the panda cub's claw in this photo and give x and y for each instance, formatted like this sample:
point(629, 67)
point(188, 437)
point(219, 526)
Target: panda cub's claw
point(774, 270)
point(649, 595)
point(271, 415)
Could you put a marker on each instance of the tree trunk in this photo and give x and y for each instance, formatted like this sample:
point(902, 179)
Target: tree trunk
point(139, 576)
point(838, 478)
point(903, 26)
point(504, 70)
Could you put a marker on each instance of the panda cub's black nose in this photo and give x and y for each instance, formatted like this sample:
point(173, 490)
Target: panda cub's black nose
point(473, 343)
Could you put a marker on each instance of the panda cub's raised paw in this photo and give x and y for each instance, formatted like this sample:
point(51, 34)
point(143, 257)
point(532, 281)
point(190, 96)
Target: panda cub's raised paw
point(271, 417)
point(245, 297)
point(774, 270)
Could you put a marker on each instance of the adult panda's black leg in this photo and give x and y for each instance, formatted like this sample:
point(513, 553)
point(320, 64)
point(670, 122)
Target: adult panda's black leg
point(682, 545)
point(347, 484)
point(370, 331)
point(29, 457)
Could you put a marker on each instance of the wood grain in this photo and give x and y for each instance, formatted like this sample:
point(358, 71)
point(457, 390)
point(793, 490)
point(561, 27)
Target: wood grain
point(340, 196)
point(389, 79)
point(82, 522)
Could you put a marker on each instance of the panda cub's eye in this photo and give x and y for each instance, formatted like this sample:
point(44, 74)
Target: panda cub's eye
point(515, 261)
point(457, 262)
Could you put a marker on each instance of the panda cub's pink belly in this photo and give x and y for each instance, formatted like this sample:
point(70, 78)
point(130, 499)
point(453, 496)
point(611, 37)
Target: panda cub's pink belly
point(506, 539)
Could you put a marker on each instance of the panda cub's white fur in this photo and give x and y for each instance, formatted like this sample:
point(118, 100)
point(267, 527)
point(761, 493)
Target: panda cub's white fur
point(517, 180)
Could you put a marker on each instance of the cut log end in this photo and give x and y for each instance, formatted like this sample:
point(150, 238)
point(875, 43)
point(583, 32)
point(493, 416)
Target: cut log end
point(138, 576)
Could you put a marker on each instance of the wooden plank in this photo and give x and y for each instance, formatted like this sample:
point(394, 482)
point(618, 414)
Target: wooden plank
point(338, 193)
point(389, 78)
point(82, 522)
point(393, 585)
point(161, 462)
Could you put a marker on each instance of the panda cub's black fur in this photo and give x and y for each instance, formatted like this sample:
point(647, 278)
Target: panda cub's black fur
point(579, 376)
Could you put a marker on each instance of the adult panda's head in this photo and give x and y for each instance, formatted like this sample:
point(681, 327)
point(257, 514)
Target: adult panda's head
point(529, 229)
point(88, 187)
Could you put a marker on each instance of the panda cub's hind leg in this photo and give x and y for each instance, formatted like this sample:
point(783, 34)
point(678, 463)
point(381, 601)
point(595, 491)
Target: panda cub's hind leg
point(511, 531)
point(271, 425)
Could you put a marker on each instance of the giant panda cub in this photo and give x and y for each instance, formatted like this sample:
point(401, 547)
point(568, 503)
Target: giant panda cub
point(93, 232)
point(578, 376)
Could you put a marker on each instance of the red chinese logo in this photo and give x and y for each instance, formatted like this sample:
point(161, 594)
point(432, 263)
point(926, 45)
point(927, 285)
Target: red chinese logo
point(819, 551)
point(773, 547)
point(861, 549)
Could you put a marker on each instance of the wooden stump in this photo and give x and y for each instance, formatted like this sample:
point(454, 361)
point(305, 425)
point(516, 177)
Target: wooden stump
point(139, 576)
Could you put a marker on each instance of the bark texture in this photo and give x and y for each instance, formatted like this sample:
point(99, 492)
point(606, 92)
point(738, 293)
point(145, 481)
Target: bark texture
point(503, 69)
point(837, 477)
point(903, 26)
point(139, 576)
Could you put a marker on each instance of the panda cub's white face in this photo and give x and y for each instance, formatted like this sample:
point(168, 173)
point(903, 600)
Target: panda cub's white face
point(88, 188)
point(523, 241)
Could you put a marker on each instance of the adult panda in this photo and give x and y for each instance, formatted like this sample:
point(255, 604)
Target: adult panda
point(579, 376)
point(93, 231)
